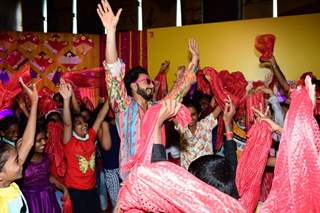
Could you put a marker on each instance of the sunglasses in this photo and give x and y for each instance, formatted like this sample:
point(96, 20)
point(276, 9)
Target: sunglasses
point(146, 79)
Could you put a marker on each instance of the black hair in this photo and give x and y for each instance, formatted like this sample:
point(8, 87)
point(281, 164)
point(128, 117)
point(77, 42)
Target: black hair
point(8, 121)
point(191, 103)
point(41, 126)
point(205, 96)
point(4, 153)
point(216, 171)
point(58, 96)
point(132, 76)
point(74, 117)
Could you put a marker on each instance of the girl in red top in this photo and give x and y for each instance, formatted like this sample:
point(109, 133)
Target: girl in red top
point(80, 150)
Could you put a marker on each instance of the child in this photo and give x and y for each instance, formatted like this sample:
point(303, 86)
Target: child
point(79, 147)
point(12, 160)
point(37, 181)
point(10, 130)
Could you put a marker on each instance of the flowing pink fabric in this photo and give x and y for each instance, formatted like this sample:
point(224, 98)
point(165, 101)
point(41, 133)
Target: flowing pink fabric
point(252, 164)
point(166, 187)
point(255, 100)
point(266, 185)
point(296, 184)
point(89, 78)
point(145, 143)
point(163, 88)
point(264, 44)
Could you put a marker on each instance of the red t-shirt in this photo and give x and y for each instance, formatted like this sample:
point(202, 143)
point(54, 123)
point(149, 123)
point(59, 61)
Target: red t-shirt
point(80, 156)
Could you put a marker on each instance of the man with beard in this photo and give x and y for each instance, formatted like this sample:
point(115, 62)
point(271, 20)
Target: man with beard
point(131, 95)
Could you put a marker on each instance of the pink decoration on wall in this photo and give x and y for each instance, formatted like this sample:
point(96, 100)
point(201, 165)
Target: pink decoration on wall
point(15, 59)
point(6, 41)
point(42, 61)
point(29, 42)
point(83, 44)
point(55, 45)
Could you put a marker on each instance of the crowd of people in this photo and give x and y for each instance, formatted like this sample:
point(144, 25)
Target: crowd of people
point(213, 143)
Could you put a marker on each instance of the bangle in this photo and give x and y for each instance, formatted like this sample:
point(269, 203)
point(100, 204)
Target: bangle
point(229, 134)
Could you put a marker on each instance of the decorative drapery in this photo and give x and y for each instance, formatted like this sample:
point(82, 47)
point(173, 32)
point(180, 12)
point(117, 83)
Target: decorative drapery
point(131, 46)
point(48, 54)
point(52, 55)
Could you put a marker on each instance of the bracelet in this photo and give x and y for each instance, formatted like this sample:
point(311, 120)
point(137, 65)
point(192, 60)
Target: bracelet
point(229, 134)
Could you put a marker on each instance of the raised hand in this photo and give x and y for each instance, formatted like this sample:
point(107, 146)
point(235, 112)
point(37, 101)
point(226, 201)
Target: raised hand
point(164, 66)
point(194, 50)
point(65, 89)
point(32, 93)
point(229, 111)
point(107, 17)
point(212, 102)
point(268, 79)
point(169, 108)
point(311, 88)
point(193, 47)
point(264, 117)
point(265, 90)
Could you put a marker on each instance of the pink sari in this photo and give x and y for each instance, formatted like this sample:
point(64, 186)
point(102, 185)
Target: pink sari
point(165, 187)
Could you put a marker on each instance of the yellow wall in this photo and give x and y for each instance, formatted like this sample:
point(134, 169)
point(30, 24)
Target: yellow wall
point(230, 45)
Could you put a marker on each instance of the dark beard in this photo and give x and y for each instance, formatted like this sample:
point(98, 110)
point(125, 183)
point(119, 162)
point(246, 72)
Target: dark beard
point(144, 94)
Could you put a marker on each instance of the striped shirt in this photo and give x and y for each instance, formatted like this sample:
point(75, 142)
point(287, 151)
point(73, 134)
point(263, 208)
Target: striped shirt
point(128, 112)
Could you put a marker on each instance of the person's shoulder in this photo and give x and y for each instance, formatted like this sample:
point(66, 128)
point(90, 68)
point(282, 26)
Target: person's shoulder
point(91, 132)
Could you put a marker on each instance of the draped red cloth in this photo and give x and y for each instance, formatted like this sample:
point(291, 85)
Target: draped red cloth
point(264, 44)
point(165, 187)
point(9, 91)
point(67, 205)
point(314, 79)
point(255, 100)
point(46, 104)
point(163, 88)
point(202, 83)
point(252, 163)
point(89, 78)
point(296, 183)
point(145, 143)
point(266, 185)
point(54, 149)
point(224, 84)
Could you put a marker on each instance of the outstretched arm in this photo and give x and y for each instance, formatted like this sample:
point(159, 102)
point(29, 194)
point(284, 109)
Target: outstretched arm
point(182, 87)
point(109, 21)
point(264, 116)
point(100, 117)
point(279, 74)
point(104, 136)
point(30, 131)
point(66, 93)
point(74, 102)
point(115, 69)
point(229, 145)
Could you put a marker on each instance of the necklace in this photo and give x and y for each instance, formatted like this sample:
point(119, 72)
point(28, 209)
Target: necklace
point(78, 137)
